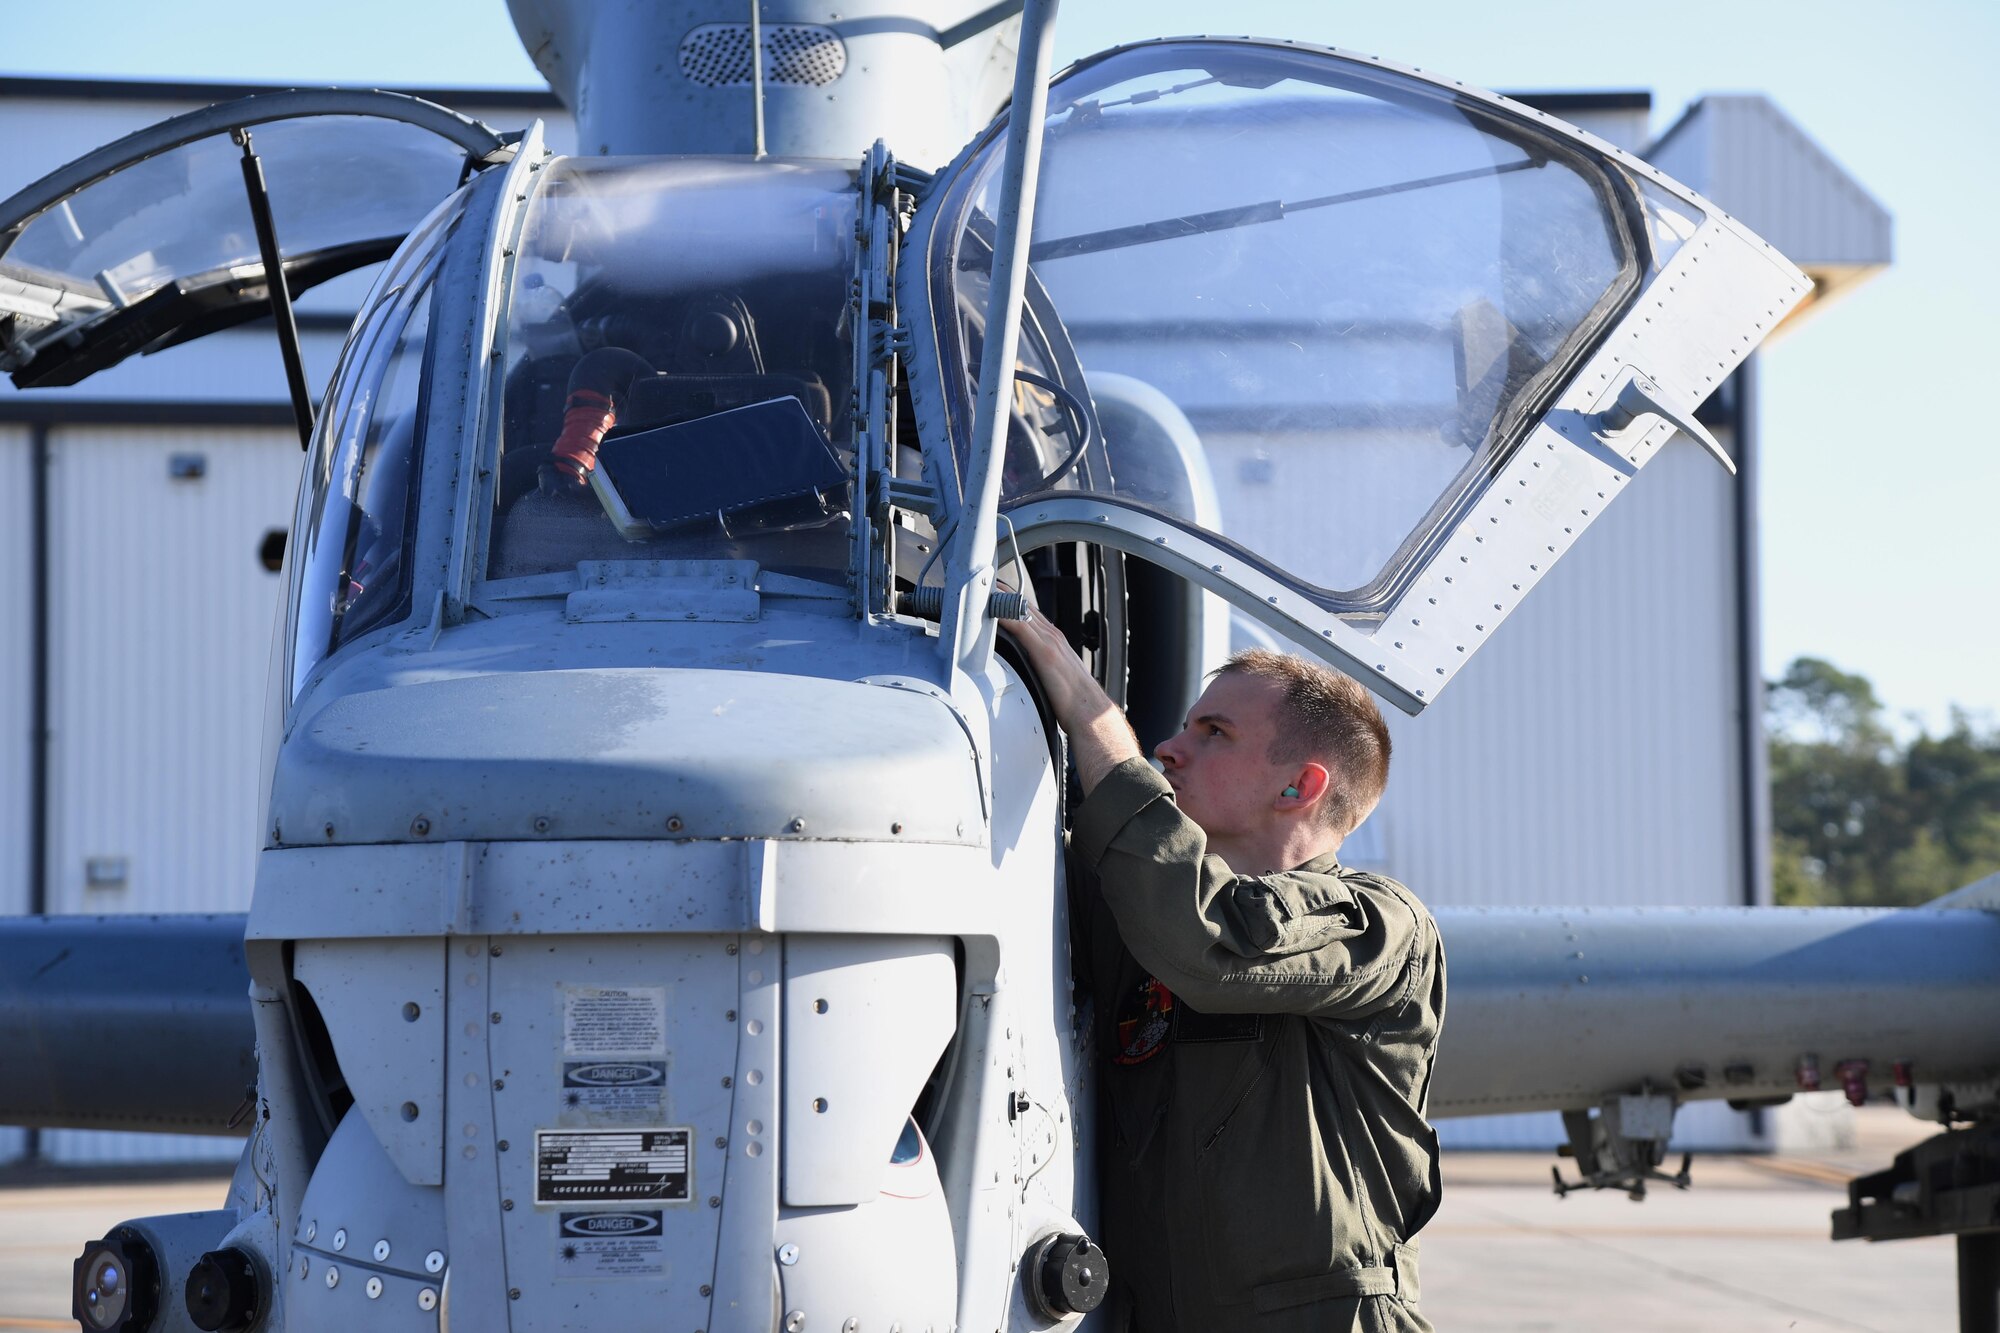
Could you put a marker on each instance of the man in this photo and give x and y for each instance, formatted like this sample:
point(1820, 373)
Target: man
point(1267, 1029)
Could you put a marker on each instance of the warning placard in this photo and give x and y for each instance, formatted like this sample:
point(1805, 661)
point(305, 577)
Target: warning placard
point(621, 1244)
point(632, 1091)
point(614, 1020)
point(612, 1165)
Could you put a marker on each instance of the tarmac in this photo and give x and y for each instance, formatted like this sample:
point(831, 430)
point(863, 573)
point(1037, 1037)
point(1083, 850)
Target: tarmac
point(1745, 1250)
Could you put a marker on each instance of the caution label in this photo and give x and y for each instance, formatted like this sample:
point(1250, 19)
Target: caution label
point(603, 1021)
point(612, 1165)
point(600, 1245)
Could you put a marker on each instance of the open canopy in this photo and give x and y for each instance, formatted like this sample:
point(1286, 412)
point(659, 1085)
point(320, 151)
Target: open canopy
point(149, 241)
point(1465, 323)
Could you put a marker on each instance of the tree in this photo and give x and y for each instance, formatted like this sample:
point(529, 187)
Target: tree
point(1860, 819)
point(1827, 704)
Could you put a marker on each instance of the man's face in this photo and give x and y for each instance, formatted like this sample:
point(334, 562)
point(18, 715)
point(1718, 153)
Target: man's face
point(1220, 767)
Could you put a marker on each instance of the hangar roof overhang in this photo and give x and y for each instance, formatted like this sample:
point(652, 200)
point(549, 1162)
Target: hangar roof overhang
point(1754, 161)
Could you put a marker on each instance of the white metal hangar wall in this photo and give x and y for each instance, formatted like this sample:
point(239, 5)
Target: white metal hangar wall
point(1605, 748)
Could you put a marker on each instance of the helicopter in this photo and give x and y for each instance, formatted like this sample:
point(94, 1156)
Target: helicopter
point(662, 909)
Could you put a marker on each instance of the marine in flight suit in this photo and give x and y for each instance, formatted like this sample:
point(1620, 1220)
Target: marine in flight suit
point(1266, 1018)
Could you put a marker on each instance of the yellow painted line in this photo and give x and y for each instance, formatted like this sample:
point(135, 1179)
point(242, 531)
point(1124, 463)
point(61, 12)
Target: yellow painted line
point(1799, 1170)
point(1537, 1231)
point(10, 1321)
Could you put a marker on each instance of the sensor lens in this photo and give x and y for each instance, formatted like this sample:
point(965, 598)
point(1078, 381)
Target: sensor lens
point(104, 1295)
point(114, 1285)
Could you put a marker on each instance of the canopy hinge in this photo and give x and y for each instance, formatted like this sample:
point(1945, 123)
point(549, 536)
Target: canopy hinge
point(886, 340)
point(914, 495)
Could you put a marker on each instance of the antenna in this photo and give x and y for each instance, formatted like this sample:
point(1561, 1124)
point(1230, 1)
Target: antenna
point(757, 79)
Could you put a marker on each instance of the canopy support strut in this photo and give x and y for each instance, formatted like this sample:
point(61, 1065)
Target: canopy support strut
point(281, 295)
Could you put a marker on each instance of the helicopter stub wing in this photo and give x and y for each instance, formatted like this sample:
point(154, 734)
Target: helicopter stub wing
point(1556, 1008)
point(126, 1022)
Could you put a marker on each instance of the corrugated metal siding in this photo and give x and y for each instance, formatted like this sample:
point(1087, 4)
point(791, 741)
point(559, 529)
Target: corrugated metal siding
point(44, 135)
point(1591, 753)
point(1753, 160)
point(1785, 186)
point(16, 671)
point(96, 1147)
point(241, 365)
point(161, 633)
point(17, 666)
point(1686, 151)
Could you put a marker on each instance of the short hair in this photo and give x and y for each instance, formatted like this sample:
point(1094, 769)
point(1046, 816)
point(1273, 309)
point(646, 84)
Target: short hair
point(1329, 718)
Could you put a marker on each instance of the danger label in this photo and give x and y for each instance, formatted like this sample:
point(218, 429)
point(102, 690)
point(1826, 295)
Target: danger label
point(614, 1020)
point(632, 1091)
point(611, 1166)
point(598, 1245)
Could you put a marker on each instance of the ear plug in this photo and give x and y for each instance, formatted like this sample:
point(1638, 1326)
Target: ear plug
point(1290, 791)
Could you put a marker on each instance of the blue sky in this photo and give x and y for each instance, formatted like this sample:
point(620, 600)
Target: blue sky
point(1882, 459)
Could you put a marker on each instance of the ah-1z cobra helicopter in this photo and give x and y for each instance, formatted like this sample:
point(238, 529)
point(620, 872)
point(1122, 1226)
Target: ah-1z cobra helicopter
point(662, 913)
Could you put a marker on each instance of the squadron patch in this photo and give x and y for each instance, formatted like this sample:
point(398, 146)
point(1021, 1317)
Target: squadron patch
point(1145, 1016)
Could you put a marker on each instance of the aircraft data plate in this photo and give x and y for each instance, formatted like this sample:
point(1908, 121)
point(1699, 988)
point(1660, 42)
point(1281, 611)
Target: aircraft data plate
point(612, 1166)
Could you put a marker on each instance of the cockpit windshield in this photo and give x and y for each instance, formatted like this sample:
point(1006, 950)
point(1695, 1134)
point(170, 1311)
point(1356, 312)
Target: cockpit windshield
point(679, 367)
point(354, 507)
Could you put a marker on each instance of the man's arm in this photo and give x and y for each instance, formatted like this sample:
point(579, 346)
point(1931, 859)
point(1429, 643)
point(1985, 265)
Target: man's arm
point(1099, 737)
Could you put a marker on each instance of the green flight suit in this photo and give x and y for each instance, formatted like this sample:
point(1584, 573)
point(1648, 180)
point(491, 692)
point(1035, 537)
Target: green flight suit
point(1264, 1051)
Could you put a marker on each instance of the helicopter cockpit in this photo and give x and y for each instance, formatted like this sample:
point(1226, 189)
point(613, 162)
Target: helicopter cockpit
point(679, 363)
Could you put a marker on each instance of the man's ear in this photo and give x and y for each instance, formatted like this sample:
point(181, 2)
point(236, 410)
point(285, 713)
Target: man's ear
point(1311, 783)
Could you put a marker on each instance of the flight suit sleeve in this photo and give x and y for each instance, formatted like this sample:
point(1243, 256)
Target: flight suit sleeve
point(1300, 942)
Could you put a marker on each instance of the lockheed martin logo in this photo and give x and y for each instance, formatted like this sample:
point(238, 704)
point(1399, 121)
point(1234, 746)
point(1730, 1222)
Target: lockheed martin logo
point(615, 1076)
point(610, 1224)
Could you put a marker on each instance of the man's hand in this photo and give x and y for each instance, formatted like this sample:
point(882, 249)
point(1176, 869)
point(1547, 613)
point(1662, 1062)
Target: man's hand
point(1099, 736)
